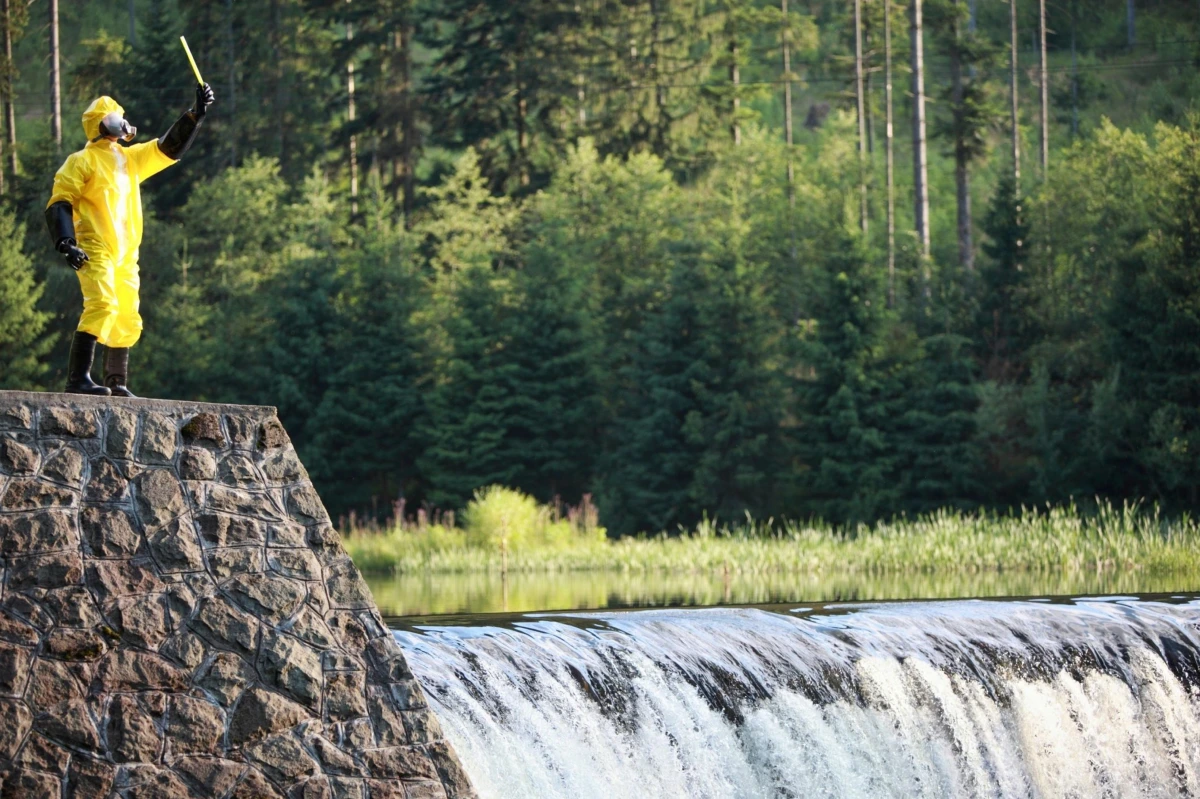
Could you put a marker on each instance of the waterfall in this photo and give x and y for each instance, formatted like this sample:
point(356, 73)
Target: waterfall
point(1088, 698)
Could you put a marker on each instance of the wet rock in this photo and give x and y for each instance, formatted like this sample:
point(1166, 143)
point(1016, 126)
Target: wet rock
point(159, 497)
point(15, 663)
point(131, 670)
point(64, 422)
point(400, 762)
point(274, 599)
point(345, 697)
point(109, 533)
point(346, 587)
point(312, 630)
point(121, 434)
point(225, 563)
point(226, 677)
point(226, 627)
point(28, 494)
point(141, 620)
point(158, 439)
point(386, 719)
point(261, 713)
point(131, 732)
point(89, 779)
point(24, 784)
point(196, 726)
point(69, 723)
point(74, 645)
point(55, 570)
point(151, 782)
point(218, 530)
point(107, 484)
point(238, 470)
point(222, 499)
point(16, 416)
point(175, 548)
point(305, 506)
point(407, 695)
point(186, 648)
point(204, 429)
point(299, 564)
point(292, 667)
point(282, 759)
point(449, 769)
point(272, 435)
point(40, 531)
point(117, 578)
point(64, 466)
point(17, 458)
point(17, 631)
point(333, 760)
point(51, 682)
point(282, 467)
point(15, 720)
point(197, 464)
point(42, 754)
point(255, 786)
point(213, 776)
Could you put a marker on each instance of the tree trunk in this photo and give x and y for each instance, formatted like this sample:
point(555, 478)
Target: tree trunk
point(962, 166)
point(891, 153)
point(1016, 111)
point(350, 117)
point(231, 90)
point(1074, 76)
point(735, 80)
point(10, 111)
point(862, 116)
point(787, 101)
point(408, 146)
point(55, 79)
point(920, 156)
point(1044, 79)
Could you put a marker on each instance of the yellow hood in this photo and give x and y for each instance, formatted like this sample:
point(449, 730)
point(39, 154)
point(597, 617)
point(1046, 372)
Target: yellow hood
point(98, 110)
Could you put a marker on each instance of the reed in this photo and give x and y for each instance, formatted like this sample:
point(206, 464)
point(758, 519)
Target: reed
point(1044, 540)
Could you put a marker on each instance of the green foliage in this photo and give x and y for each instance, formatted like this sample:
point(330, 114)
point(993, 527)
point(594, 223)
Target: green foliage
point(560, 275)
point(22, 326)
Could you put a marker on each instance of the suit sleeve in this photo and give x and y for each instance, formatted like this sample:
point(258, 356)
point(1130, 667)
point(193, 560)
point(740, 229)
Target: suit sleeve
point(70, 180)
point(148, 159)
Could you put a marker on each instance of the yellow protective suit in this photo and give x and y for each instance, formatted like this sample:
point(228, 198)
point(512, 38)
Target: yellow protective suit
point(101, 182)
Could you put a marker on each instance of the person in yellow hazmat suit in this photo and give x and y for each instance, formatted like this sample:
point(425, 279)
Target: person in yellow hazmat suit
point(95, 221)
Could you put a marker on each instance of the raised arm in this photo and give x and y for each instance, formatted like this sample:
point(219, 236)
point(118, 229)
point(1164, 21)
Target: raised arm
point(176, 141)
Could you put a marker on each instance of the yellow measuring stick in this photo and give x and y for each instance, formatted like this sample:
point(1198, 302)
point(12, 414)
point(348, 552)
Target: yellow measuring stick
point(192, 61)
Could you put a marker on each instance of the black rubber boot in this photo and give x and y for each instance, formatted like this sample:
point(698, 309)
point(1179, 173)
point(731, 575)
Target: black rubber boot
point(116, 371)
point(79, 367)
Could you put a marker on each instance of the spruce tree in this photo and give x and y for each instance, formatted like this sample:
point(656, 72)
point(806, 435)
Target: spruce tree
point(850, 463)
point(23, 344)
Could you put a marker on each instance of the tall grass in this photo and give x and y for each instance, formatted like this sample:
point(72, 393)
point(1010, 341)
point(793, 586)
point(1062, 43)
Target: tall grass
point(1051, 539)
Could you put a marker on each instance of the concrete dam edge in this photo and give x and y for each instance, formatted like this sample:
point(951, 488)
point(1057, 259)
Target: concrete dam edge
point(178, 617)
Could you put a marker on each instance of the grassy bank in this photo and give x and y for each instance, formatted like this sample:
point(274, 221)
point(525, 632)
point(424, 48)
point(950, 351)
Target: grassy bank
point(1033, 540)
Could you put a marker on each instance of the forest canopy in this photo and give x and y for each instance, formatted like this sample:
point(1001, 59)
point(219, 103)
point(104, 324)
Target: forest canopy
point(568, 247)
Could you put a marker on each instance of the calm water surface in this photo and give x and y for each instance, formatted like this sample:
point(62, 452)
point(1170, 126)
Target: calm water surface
point(425, 595)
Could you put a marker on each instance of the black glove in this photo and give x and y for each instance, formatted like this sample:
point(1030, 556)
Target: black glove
point(75, 256)
point(204, 98)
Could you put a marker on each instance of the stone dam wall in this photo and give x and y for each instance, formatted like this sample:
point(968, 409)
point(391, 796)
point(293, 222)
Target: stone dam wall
point(178, 617)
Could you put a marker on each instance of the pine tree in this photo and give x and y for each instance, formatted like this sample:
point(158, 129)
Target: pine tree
point(23, 344)
point(1003, 325)
point(364, 447)
point(850, 462)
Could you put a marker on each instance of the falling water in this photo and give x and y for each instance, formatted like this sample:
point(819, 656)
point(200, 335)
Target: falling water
point(1090, 698)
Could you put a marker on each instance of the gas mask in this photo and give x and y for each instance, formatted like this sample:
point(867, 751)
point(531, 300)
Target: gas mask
point(115, 125)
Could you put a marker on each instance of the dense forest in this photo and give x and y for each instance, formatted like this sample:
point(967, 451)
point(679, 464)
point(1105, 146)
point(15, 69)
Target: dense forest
point(844, 258)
